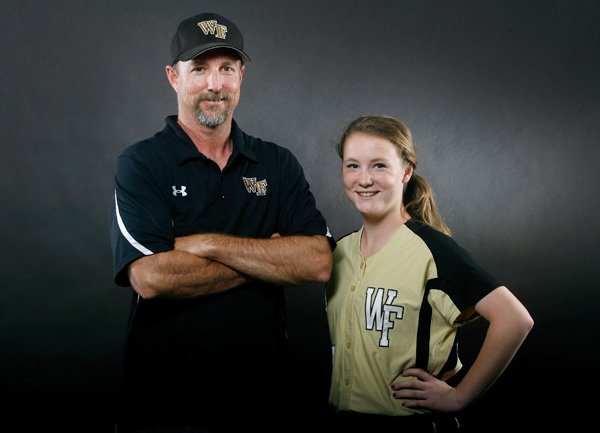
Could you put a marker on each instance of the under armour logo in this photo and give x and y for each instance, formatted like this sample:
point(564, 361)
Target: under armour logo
point(212, 27)
point(255, 187)
point(179, 191)
point(377, 313)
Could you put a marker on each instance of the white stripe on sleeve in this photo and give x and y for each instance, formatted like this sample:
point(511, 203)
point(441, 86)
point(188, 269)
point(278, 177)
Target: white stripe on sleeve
point(126, 234)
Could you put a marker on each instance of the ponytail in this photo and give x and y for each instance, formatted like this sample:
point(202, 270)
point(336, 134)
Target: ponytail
point(419, 202)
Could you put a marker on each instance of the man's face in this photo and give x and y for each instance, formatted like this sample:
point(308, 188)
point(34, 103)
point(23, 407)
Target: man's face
point(208, 86)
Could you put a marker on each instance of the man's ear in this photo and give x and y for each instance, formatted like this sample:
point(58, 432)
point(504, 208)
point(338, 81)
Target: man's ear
point(171, 72)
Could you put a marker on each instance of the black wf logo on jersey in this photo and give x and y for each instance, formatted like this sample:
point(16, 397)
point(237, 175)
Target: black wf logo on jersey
point(378, 313)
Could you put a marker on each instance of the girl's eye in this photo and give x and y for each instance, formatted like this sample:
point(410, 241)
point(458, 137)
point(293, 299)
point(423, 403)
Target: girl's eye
point(380, 165)
point(351, 165)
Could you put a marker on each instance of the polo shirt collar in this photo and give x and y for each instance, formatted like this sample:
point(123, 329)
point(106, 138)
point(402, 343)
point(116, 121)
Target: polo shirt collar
point(185, 149)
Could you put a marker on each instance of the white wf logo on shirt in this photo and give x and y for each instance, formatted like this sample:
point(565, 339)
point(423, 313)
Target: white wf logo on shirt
point(378, 313)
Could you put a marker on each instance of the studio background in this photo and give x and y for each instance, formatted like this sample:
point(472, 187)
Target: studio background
point(503, 99)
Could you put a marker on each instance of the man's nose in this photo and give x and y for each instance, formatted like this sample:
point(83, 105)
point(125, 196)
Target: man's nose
point(215, 81)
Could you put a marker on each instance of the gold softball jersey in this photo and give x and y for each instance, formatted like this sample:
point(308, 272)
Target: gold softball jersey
point(397, 309)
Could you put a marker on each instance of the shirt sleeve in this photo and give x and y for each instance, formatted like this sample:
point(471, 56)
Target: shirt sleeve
point(299, 213)
point(141, 221)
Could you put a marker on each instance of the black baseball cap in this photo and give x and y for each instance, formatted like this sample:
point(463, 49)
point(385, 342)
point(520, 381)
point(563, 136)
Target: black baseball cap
point(204, 32)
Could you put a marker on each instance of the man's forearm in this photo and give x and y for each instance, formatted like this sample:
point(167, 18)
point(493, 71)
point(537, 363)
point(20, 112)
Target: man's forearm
point(178, 274)
point(289, 260)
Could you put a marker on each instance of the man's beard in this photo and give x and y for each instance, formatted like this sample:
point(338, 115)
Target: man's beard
point(213, 119)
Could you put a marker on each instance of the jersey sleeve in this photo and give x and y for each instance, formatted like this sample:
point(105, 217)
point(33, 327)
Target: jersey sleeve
point(460, 278)
point(141, 221)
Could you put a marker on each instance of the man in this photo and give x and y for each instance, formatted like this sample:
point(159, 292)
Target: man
point(208, 225)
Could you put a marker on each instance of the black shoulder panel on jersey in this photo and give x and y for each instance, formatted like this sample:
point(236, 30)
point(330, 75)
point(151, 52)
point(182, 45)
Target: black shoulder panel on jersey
point(459, 275)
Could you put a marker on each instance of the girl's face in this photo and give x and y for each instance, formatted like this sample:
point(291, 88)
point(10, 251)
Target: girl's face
point(374, 176)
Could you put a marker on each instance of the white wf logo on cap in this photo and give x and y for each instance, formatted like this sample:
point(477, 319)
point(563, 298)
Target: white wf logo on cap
point(212, 27)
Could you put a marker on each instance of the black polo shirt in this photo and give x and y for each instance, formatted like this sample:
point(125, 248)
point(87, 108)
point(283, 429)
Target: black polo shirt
point(164, 187)
point(196, 349)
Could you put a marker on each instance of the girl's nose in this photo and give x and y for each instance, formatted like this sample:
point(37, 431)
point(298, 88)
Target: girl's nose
point(365, 178)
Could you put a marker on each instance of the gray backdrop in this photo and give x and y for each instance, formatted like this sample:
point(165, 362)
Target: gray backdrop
point(502, 97)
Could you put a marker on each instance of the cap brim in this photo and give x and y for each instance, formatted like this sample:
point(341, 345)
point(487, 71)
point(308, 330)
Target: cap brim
point(196, 51)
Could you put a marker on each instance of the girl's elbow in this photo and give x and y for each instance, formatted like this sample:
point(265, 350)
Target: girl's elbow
point(525, 324)
point(528, 323)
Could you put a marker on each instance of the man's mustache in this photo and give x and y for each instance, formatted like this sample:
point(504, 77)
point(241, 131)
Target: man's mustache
point(215, 96)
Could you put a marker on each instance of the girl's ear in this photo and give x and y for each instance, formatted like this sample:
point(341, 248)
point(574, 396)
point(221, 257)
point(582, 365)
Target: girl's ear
point(408, 172)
